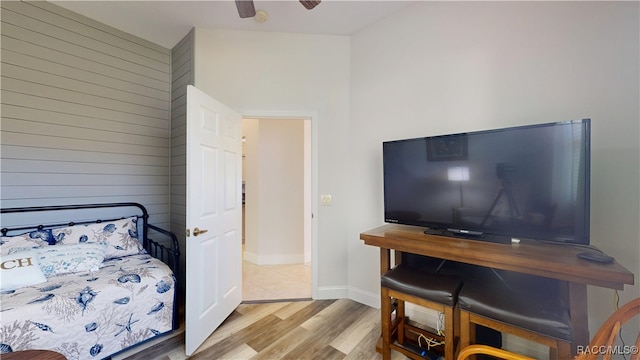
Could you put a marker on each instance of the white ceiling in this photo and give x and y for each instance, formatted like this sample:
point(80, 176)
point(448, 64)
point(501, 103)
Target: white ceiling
point(166, 22)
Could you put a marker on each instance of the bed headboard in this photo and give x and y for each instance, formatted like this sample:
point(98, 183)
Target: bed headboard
point(18, 220)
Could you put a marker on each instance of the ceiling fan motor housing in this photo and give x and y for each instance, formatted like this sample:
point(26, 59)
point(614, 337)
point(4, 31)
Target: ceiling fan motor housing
point(247, 9)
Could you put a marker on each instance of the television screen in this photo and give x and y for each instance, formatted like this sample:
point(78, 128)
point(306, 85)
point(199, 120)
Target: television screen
point(520, 182)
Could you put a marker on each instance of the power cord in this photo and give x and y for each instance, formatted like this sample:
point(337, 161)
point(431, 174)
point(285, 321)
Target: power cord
point(617, 305)
point(430, 342)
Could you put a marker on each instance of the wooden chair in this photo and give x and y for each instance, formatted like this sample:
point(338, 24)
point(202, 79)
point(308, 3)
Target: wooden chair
point(470, 350)
point(437, 292)
point(606, 336)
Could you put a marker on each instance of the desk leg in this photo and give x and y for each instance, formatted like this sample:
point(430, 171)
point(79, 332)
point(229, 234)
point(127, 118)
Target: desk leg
point(385, 308)
point(385, 260)
point(579, 315)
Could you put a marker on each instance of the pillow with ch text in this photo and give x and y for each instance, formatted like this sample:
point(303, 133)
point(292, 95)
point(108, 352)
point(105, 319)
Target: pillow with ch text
point(19, 270)
point(121, 236)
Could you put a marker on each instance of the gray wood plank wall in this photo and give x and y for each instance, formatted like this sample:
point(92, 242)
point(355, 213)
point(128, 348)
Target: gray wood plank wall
point(85, 112)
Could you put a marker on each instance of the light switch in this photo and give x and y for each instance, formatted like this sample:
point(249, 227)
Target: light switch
point(325, 200)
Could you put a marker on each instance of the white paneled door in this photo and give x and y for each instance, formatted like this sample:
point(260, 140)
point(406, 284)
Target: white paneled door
point(213, 216)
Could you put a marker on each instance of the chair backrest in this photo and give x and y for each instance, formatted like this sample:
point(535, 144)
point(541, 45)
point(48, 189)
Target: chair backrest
point(602, 345)
point(488, 350)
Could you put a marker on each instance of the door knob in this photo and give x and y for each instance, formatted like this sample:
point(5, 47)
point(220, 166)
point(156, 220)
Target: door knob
point(197, 231)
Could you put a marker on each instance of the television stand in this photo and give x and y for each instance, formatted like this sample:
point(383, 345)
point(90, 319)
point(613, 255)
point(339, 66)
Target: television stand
point(527, 257)
point(498, 239)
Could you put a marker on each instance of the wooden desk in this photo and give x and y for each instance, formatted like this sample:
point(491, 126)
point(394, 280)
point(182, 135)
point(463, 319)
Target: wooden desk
point(529, 257)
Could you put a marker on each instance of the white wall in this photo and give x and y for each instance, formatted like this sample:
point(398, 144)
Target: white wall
point(442, 67)
point(276, 72)
point(275, 197)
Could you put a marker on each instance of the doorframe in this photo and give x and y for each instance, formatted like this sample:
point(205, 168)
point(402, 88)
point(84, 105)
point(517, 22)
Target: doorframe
point(313, 117)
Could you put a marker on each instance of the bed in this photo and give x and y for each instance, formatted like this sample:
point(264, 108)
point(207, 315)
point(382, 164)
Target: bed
point(87, 289)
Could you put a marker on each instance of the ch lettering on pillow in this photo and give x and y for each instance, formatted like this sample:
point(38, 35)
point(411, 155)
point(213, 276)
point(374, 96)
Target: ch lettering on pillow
point(16, 263)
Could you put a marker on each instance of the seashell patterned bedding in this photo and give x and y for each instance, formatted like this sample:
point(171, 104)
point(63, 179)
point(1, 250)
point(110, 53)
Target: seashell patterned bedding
point(84, 312)
point(90, 315)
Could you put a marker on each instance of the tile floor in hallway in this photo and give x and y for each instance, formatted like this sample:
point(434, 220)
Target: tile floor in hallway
point(274, 282)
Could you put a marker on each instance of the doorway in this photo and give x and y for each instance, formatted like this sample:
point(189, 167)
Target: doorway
point(277, 208)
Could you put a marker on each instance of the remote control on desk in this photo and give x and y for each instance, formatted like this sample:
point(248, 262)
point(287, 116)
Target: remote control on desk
point(596, 257)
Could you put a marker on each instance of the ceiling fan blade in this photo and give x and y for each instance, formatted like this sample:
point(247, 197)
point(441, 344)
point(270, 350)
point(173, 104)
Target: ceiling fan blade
point(246, 8)
point(309, 4)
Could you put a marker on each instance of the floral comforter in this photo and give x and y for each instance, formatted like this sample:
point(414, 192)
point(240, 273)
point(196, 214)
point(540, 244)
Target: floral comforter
point(91, 315)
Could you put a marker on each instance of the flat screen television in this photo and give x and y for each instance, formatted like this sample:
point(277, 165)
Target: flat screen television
point(495, 185)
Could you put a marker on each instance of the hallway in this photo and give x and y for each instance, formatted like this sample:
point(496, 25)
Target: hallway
point(275, 282)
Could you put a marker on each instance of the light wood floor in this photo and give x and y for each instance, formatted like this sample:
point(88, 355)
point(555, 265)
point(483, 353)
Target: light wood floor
point(319, 329)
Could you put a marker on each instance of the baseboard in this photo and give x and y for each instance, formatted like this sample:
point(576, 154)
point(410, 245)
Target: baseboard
point(345, 292)
point(365, 297)
point(332, 292)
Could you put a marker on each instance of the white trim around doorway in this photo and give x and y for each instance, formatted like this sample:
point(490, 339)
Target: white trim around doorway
point(313, 117)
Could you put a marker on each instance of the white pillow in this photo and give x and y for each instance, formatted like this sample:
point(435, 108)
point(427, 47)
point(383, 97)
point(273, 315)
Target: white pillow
point(62, 259)
point(20, 270)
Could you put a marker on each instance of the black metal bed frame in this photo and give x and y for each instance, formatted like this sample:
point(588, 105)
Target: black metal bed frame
point(168, 255)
